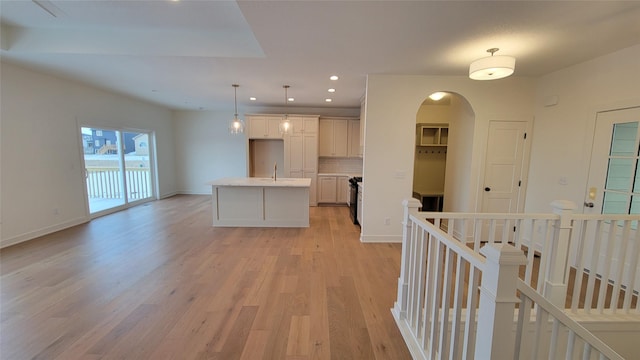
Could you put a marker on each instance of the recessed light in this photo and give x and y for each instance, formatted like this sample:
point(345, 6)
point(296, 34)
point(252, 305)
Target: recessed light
point(334, 77)
point(291, 99)
point(253, 98)
point(331, 90)
point(328, 100)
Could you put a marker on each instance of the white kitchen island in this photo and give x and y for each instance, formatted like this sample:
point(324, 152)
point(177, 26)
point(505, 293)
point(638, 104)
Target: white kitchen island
point(260, 202)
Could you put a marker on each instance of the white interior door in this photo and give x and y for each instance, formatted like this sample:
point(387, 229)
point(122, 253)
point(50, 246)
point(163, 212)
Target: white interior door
point(613, 186)
point(503, 172)
point(503, 166)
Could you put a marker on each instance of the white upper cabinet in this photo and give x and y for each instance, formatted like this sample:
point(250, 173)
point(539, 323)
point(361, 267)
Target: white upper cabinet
point(264, 127)
point(333, 138)
point(304, 124)
point(354, 139)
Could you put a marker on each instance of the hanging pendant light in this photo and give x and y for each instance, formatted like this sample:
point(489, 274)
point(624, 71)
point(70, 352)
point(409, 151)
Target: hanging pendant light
point(492, 67)
point(285, 124)
point(236, 126)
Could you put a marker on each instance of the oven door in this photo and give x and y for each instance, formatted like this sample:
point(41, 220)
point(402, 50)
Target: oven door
point(353, 202)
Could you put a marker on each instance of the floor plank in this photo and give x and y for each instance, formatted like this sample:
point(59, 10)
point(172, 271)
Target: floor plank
point(159, 282)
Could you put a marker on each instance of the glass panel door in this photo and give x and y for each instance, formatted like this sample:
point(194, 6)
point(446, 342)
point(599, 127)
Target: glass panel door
point(620, 184)
point(137, 166)
point(103, 169)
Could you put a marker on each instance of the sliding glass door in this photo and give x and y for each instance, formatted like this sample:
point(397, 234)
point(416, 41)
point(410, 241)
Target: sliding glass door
point(118, 168)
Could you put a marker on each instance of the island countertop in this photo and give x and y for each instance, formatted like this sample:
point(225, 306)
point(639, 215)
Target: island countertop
point(261, 182)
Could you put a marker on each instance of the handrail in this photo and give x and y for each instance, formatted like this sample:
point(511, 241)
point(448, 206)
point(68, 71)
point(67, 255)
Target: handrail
point(561, 316)
point(486, 216)
point(460, 248)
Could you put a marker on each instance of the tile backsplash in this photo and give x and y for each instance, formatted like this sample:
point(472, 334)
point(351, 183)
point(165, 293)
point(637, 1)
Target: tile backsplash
point(340, 165)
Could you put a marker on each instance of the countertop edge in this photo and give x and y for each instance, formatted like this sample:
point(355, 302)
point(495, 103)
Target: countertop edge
point(261, 182)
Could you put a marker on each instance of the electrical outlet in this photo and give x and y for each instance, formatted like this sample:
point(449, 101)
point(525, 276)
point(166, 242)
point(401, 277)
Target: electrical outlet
point(56, 212)
point(387, 221)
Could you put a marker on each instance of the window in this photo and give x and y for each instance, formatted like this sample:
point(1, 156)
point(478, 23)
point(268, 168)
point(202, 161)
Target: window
point(622, 186)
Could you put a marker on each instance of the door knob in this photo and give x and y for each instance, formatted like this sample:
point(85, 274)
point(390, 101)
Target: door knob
point(588, 204)
point(487, 189)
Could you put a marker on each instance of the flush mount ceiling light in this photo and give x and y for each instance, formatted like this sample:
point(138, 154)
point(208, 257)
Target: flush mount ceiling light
point(236, 126)
point(492, 67)
point(285, 125)
point(436, 96)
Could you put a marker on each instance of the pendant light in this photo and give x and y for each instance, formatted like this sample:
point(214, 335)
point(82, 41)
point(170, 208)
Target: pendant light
point(236, 126)
point(285, 124)
point(492, 67)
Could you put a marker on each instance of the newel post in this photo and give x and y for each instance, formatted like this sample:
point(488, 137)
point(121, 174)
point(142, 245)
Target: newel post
point(410, 206)
point(555, 288)
point(497, 301)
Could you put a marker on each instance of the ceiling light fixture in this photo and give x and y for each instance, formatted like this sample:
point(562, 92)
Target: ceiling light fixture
point(285, 125)
point(328, 100)
point(333, 77)
point(236, 126)
point(492, 67)
point(331, 90)
point(437, 96)
point(253, 98)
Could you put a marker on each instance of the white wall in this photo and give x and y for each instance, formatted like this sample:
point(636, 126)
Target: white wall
point(458, 185)
point(41, 151)
point(205, 150)
point(392, 105)
point(563, 133)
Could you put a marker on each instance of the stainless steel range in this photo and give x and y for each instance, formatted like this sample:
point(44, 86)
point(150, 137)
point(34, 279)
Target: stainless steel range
point(353, 198)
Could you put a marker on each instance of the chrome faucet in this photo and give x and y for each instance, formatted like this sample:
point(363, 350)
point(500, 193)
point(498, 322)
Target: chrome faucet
point(275, 171)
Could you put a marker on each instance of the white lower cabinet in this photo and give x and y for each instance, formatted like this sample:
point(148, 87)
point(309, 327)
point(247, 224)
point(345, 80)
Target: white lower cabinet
point(342, 185)
point(327, 189)
point(333, 189)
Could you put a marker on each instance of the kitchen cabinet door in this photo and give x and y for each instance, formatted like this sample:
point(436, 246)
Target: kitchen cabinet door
point(333, 137)
point(342, 196)
point(296, 153)
point(304, 124)
point(354, 138)
point(257, 126)
point(340, 137)
point(325, 138)
point(310, 152)
point(273, 128)
point(264, 127)
point(327, 189)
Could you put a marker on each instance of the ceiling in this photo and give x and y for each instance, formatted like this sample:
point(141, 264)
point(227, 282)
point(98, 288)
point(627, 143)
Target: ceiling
point(186, 54)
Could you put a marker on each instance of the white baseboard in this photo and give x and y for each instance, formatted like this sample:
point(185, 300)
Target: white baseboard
point(189, 192)
point(41, 232)
point(168, 195)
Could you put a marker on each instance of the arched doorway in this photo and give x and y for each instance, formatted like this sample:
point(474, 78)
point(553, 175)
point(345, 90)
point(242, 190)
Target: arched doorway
point(442, 159)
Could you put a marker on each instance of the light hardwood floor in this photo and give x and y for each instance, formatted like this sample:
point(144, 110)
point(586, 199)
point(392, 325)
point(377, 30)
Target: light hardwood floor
point(158, 282)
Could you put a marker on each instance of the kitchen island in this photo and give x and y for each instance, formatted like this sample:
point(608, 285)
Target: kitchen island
point(260, 202)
